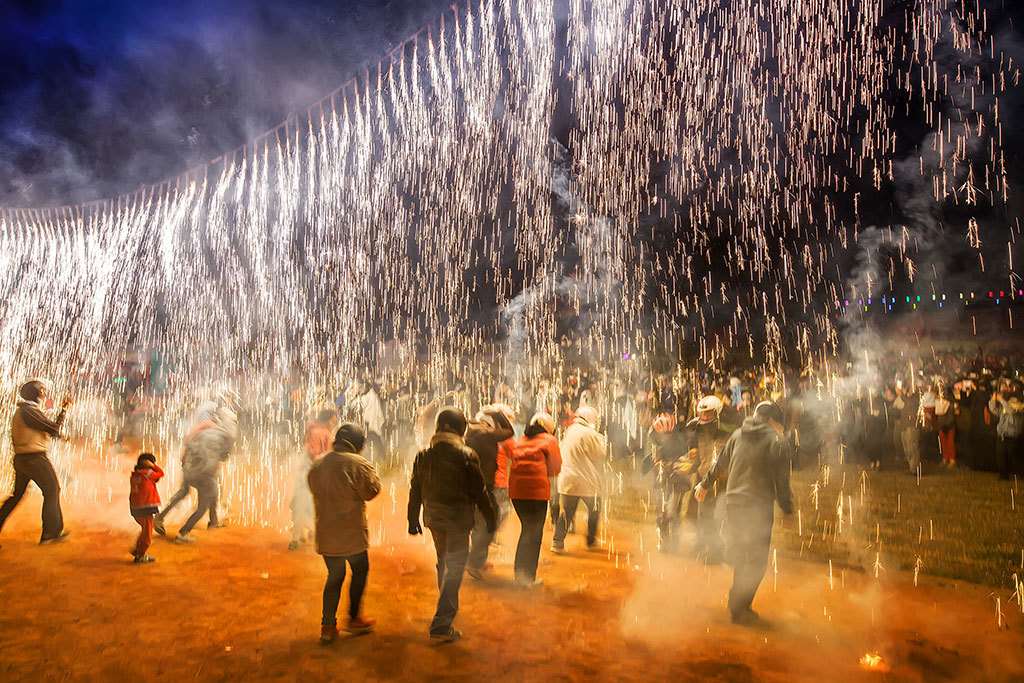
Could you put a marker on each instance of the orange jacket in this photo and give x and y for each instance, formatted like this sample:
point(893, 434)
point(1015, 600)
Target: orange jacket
point(534, 460)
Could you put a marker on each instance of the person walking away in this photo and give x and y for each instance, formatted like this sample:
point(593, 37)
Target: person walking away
point(144, 503)
point(582, 449)
point(756, 461)
point(31, 432)
point(200, 466)
point(340, 482)
point(319, 438)
point(447, 483)
point(1006, 405)
point(484, 435)
point(535, 459)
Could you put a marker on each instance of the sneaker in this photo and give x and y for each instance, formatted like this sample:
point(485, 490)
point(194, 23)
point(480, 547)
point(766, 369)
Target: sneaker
point(475, 574)
point(158, 526)
point(60, 538)
point(360, 625)
point(558, 549)
point(181, 538)
point(328, 634)
point(294, 545)
point(595, 547)
point(527, 583)
point(217, 525)
point(144, 559)
point(448, 636)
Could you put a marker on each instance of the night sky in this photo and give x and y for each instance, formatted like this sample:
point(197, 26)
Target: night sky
point(100, 97)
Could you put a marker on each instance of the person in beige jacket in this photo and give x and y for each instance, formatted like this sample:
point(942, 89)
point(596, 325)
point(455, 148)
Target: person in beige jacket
point(31, 432)
point(582, 448)
point(341, 482)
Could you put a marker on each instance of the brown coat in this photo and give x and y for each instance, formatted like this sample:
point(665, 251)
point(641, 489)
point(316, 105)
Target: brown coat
point(341, 484)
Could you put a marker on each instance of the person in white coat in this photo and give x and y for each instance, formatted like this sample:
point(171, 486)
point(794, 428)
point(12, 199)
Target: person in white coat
point(583, 448)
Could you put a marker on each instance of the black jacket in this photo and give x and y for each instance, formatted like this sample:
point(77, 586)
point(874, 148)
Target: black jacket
point(484, 440)
point(756, 459)
point(447, 483)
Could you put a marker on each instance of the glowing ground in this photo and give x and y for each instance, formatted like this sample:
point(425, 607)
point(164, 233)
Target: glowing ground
point(238, 604)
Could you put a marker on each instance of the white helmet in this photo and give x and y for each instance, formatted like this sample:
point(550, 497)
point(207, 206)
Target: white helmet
point(588, 414)
point(708, 409)
point(545, 421)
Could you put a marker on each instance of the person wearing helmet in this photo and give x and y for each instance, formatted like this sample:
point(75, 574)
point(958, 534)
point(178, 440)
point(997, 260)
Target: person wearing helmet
point(200, 467)
point(340, 482)
point(706, 437)
point(582, 449)
point(31, 432)
point(756, 461)
point(535, 459)
point(485, 433)
point(672, 470)
point(447, 483)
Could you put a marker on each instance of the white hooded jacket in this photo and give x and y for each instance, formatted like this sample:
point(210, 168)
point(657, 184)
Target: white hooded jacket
point(582, 448)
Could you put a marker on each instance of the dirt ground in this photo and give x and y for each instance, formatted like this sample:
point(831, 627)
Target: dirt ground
point(237, 604)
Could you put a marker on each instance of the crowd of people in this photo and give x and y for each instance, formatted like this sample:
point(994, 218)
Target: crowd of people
point(718, 450)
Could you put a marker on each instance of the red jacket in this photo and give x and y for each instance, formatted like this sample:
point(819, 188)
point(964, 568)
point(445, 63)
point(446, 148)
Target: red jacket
point(503, 460)
point(534, 459)
point(144, 498)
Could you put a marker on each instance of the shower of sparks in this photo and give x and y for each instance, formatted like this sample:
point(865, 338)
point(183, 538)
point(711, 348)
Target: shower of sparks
point(423, 194)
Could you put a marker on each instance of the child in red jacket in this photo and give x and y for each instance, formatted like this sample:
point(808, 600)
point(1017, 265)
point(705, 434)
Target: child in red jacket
point(145, 502)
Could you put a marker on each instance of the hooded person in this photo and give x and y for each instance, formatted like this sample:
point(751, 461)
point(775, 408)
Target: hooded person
point(756, 461)
point(485, 434)
point(31, 433)
point(200, 467)
point(447, 484)
point(707, 437)
point(536, 458)
point(582, 449)
point(341, 481)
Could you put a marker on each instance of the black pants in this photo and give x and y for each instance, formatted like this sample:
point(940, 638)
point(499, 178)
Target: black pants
point(36, 467)
point(749, 528)
point(360, 564)
point(531, 515)
point(569, 505)
point(452, 547)
point(1007, 454)
point(207, 488)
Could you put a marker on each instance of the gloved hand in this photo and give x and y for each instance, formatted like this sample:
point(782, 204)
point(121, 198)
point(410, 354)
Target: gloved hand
point(414, 527)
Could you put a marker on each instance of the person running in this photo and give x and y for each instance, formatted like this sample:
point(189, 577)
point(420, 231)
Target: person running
point(144, 502)
point(447, 483)
point(535, 459)
point(756, 459)
point(31, 432)
point(340, 483)
point(485, 435)
point(582, 449)
point(200, 466)
point(204, 417)
point(319, 435)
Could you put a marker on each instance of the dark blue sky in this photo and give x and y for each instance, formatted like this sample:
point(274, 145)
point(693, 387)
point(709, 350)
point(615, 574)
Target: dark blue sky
point(98, 97)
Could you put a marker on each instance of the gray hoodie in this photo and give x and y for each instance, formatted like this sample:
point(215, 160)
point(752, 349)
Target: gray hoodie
point(756, 459)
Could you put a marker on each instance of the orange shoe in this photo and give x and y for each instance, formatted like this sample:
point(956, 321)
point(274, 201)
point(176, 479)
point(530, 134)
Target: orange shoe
point(360, 625)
